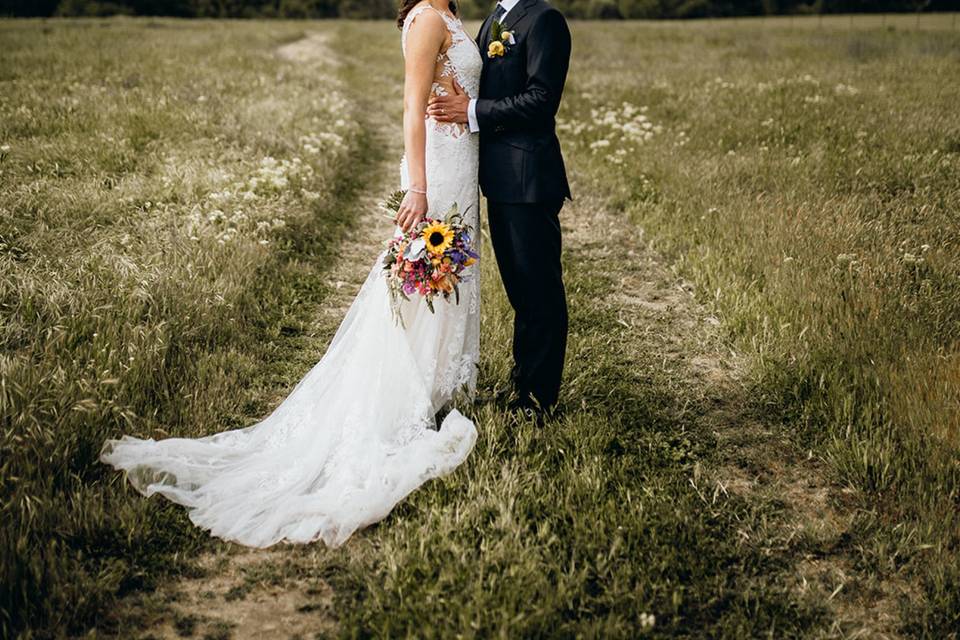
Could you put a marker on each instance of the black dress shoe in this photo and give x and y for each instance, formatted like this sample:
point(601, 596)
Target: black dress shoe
point(499, 398)
point(527, 410)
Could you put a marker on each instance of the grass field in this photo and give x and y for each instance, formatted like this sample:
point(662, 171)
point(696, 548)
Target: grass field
point(809, 183)
point(763, 391)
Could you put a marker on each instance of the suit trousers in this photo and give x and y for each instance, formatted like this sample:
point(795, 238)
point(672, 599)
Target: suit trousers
point(527, 243)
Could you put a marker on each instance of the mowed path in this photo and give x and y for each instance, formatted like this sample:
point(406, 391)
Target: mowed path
point(276, 593)
point(235, 592)
point(754, 460)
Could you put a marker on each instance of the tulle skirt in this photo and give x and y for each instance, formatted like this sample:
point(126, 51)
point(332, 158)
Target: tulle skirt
point(354, 437)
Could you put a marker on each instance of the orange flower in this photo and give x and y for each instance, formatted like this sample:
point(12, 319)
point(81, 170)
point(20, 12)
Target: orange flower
point(445, 284)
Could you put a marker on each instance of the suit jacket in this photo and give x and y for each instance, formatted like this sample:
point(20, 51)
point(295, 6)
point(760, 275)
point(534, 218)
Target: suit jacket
point(520, 158)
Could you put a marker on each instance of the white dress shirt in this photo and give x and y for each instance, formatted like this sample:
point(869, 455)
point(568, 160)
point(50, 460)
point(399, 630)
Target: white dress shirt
point(508, 6)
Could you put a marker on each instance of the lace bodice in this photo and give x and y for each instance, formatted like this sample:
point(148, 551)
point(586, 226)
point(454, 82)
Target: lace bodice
point(461, 62)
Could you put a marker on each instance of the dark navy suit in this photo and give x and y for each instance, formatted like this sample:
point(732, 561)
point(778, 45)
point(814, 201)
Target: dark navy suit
point(522, 175)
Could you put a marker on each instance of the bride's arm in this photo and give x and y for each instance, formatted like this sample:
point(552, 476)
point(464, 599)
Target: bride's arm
point(425, 39)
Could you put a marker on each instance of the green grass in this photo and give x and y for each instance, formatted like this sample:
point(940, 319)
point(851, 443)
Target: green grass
point(579, 529)
point(156, 270)
point(808, 182)
point(800, 220)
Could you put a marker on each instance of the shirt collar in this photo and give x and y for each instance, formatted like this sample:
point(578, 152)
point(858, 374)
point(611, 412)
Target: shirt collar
point(508, 6)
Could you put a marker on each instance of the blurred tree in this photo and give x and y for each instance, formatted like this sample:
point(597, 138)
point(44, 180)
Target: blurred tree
point(693, 9)
point(604, 10)
point(600, 9)
point(178, 8)
point(640, 8)
point(28, 7)
point(89, 8)
point(367, 8)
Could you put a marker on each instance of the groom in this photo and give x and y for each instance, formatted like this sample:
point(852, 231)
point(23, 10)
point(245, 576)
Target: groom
point(525, 46)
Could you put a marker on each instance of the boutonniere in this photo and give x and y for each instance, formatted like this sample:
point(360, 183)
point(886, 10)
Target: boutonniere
point(501, 41)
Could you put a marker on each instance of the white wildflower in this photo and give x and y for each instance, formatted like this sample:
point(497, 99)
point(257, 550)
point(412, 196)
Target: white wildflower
point(845, 90)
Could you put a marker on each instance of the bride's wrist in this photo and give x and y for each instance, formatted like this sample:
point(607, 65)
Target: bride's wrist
point(421, 190)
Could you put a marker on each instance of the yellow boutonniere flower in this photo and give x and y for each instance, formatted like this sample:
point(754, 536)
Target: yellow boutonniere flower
point(496, 49)
point(506, 36)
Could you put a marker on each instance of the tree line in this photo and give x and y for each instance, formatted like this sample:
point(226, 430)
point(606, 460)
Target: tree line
point(367, 9)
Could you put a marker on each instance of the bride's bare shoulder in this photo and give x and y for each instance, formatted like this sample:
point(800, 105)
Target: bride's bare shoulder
point(424, 18)
point(424, 27)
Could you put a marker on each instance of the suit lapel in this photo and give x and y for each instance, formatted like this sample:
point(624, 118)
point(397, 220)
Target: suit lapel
point(484, 33)
point(516, 14)
point(512, 19)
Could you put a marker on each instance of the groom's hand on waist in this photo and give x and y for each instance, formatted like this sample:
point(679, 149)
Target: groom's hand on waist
point(450, 108)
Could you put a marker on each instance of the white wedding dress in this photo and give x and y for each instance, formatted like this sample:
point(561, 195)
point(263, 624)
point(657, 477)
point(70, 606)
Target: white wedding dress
point(357, 433)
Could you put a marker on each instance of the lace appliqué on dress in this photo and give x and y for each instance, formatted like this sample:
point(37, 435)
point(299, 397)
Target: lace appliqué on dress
point(357, 433)
point(456, 64)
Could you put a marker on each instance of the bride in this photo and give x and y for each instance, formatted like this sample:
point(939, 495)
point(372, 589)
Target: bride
point(358, 433)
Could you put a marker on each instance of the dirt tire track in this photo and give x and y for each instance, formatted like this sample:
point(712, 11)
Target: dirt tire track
point(246, 594)
point(759, 462)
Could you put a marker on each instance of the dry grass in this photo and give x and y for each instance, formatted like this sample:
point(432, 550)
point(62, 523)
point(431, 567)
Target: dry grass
point(744, 295)
point(807, 181)
point(163, 228)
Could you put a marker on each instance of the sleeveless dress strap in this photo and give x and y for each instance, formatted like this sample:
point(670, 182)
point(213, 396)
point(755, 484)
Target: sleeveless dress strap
point(414, 14)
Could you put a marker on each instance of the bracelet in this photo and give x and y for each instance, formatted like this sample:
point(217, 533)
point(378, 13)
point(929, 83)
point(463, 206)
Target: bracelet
point(421, 192)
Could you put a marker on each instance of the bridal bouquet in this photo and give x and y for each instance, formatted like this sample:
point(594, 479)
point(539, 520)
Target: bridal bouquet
point(429, 259)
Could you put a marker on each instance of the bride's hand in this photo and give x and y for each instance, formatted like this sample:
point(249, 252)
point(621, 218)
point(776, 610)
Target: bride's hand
point(412, 210)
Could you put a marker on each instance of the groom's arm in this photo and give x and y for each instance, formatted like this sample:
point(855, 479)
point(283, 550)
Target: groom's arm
point(548, 59)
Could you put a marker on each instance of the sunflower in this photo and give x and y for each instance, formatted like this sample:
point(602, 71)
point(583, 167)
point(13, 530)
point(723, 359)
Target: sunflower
point(438, 237)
